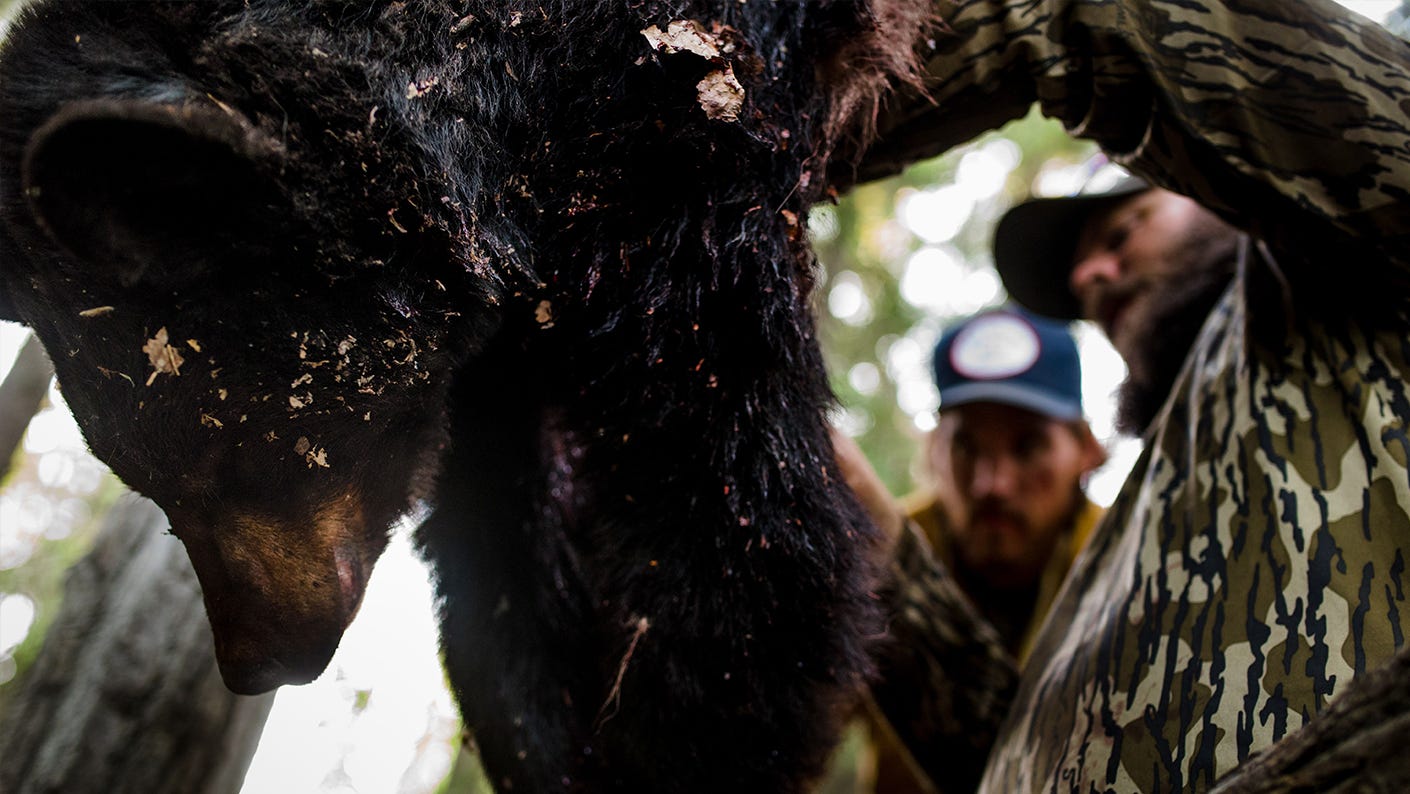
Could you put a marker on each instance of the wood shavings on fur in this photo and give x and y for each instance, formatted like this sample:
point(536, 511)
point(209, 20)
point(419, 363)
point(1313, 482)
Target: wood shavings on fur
point(165, 359)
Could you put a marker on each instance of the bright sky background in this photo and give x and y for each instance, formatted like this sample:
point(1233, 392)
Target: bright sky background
point(1376, 10)
point(380, 720)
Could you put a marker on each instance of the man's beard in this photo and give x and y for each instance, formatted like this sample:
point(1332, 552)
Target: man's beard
point(1178, 309)
point(1004, 579)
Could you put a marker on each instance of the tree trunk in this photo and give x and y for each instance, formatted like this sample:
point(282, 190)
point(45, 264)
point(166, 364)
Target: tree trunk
point(20, 397)
point(125, 696)
point(1357, 745)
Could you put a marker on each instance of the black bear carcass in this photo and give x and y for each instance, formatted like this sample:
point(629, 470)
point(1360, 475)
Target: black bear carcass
point(301, 265)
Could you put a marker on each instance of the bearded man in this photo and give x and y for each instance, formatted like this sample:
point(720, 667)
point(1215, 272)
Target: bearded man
point(1009, 457)
point(1147, 265)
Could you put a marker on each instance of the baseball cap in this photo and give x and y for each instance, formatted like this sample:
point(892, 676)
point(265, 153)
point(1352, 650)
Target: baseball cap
point(1012, 357)
point(1034, 242)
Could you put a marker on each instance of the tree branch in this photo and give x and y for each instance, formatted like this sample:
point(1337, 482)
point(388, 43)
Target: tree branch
point(125, 696)
point(20, 397)
point(1357, 745)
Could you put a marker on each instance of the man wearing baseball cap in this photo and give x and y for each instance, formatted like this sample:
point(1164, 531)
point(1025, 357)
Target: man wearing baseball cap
point(1146, 264)
point(1005, 511)
point(1009, 457)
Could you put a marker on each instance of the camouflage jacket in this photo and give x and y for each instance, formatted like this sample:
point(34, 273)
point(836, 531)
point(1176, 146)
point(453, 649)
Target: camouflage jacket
point(1254, 562)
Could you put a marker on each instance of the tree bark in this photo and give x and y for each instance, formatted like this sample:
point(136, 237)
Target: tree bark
point(125, 696)
point(20, 397)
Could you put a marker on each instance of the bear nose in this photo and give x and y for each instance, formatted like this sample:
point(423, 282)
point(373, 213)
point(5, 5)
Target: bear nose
point(251, 669)
point(280, 591)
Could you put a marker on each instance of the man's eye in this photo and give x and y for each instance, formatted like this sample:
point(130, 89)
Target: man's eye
point(1027, 445)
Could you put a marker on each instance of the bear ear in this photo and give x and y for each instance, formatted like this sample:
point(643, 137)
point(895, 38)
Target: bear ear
point(159, 194)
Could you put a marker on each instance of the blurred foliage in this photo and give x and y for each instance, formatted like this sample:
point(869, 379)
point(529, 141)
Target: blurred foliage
point(43, 585)
point(41, 577)
point(8, 9)
point(467, 776)
point(859, 240)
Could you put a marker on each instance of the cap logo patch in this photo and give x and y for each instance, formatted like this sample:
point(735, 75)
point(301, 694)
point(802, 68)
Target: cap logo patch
point(994, 347)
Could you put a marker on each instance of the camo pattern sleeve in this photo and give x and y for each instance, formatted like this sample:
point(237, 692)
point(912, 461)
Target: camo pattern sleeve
point(1263, 110)
point(945, 680)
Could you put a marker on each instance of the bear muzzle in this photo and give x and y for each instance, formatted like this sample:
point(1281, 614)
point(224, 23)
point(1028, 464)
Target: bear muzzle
point(280, 593)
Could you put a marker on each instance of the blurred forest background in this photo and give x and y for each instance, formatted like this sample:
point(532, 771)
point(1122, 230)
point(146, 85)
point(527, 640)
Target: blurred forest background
point(899, 259)
point(904, 257)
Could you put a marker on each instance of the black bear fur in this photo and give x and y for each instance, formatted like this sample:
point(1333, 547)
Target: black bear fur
point(500, 257)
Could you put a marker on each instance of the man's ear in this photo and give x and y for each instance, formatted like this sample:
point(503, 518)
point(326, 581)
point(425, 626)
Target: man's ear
point(1093, 453)
point(159, 194)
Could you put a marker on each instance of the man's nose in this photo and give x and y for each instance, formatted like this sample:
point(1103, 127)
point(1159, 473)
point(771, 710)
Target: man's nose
point(1094, 267)
point(994, 476)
